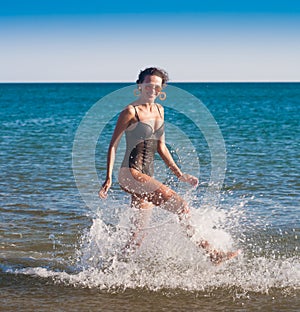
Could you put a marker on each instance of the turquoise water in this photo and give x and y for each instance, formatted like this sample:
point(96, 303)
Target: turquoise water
point(59, 241)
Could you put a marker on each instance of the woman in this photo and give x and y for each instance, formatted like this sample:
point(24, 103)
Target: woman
point(142, 121)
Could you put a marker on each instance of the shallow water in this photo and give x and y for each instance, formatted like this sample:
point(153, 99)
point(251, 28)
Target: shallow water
point(60, 245)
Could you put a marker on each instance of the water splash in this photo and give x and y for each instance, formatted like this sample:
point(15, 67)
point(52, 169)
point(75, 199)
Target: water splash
point(168, 259)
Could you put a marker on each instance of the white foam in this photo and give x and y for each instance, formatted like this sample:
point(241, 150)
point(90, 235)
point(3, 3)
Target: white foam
point(168, 259)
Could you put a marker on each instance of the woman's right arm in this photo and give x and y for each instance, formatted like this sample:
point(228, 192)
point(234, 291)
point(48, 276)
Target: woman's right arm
point(123, 122)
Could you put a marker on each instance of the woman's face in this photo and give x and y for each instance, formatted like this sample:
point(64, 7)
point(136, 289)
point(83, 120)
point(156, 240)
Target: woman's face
point(150, 88)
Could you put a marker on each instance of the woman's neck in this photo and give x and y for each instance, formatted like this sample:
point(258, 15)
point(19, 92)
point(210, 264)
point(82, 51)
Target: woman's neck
point(141, 101)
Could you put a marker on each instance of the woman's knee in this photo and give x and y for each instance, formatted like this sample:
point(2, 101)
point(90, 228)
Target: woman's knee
point(171, 201)
point(177, 205)
point(161, 195)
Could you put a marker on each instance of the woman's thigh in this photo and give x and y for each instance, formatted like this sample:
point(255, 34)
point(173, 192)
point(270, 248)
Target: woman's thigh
point(144, 187)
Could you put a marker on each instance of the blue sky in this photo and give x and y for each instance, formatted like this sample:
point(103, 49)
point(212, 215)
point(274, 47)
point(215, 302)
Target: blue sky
point(113, 40)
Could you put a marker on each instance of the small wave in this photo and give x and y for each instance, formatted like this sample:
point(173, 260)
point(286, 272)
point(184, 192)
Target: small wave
point(50, 122)
point(168, 260)
point(30, 121)
point(260, 275)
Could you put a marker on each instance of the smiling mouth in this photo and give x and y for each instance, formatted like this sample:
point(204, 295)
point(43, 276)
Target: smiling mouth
point(152, 94)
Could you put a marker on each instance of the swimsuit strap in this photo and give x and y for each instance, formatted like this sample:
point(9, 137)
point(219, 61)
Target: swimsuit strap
point(136, 114)
point(159, 110)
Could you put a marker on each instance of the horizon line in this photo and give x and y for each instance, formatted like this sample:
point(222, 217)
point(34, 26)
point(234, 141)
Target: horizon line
point(185, 81)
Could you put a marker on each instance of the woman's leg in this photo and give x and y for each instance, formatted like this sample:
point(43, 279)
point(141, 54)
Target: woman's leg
point(140, 221)
point(146, 189)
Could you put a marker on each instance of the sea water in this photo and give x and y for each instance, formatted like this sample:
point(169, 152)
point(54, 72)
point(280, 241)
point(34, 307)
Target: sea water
point(61, 246)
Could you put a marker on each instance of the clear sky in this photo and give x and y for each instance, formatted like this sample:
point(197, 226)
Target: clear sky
point(212, 40)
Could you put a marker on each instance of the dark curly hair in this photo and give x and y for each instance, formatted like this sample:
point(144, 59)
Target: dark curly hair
point(153, 71)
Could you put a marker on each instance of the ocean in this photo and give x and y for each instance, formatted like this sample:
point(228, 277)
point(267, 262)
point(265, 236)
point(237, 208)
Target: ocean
point(60, 244)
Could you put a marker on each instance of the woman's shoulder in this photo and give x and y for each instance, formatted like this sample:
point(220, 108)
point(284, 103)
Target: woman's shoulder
point(129, 109)
point(160, 107)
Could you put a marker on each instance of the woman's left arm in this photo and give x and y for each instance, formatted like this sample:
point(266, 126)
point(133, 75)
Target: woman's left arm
point(169, 161)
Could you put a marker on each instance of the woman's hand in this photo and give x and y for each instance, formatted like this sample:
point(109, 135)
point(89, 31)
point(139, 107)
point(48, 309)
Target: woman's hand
point(193, 181)
point(104, 189)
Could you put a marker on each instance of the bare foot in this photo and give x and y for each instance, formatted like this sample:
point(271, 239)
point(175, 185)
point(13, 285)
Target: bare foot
point(217, 257)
